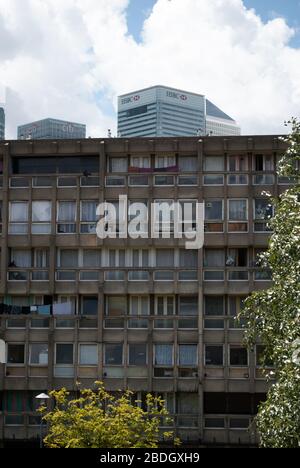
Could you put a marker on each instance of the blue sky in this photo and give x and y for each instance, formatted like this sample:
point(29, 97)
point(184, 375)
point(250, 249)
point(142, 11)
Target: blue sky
point(138, 11)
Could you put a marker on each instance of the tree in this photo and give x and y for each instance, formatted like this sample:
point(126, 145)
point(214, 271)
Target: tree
point(98, 419)
point(273, 315)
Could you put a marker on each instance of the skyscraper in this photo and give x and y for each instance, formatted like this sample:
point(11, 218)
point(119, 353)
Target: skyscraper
point(2, 123)
point(162, 111)
point(51, 128)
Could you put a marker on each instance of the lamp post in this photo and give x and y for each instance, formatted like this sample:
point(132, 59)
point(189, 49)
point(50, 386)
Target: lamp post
point(42, 399)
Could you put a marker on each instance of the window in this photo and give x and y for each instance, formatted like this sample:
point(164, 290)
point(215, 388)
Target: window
point(137, 354)
point(238, 356)
point(20, 258)
point(214, 355)
point(214, 258)
point(39, 354)
point(139, 305)
point(88, 217)
point(237, 258)
point(214, 163)
point(139, 258)
point(69, 258)
point(41, 258)
point(89, 305)
point(214, 215)
point(235, 306)
point(165, 258)
point(163, 355)
point(163, 216)
point(238, 163)
point(66, 217)
point(18, 218)
point(187, 354)
point(116, 306)
point(165, 305)
point(64, 354)
point(91, 258)
point(263, 162)
point(188, 258)
point(118, 165)
point(263, 212)
point(88, 354)
point(15, 354)
point(188, 305)
point(114, 354)
point(41, 217)
point(237, 215)
point(165, 162)
point(140, 162)
point(214, 305)
point(188, 163)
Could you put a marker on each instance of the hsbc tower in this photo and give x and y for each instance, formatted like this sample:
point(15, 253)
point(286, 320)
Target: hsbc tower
point(161, 111)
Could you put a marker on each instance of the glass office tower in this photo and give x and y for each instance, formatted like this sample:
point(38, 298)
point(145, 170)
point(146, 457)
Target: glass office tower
point(162, 111)
point(2, 124)
point(51, 128)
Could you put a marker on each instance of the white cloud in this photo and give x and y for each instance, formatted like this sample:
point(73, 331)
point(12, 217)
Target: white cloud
point(56, 56)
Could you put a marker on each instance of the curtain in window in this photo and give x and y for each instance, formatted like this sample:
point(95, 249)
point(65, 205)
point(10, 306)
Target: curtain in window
point(165, 258)
point(88, 211)
point(188, 355)
point(214, 305)
point(141, 162)
point(118, 164)
point(188, 163)
point(237, 210)
point(91, 258)
point(69, 258)
point(214, 258)
point(19, 212)
point(88, 354)
point(213, 210)
point(67, 211)
point(187, 403)
point(164, 355)
point(188, 258)
point(116, 305)
point(41, 211)
point(165, 161)
point(214, 163)
point(41, 258)
point(188, 305)
point(21, 258)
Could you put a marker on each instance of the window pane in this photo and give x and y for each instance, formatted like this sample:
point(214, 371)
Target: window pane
point(69, 258)
point(164, 355)
point(41, 211)
point(116, 305)
point(188, 305)
point(188, 355)
point(39, 354)
point(67, 211)
point(214, 305)
point(214, 355)
point(89, 305)
point(238, 356)
point(137, 354)
point(15, 353)
point(214, 258)
point(88, 211)
point(88, 355)
point(214, 163)
point(64, 354)
point(18, 212)
point(238, 210)
point(214, 210)
point(114, 354)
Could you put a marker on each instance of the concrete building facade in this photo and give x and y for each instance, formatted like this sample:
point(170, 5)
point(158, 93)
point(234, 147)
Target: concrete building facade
point(51, 128)
point(161, 111)
point(144, 314)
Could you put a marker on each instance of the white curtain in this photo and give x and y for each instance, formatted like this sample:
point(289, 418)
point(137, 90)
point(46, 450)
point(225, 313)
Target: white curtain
point(41, 258)
point(165, 258)
point(237, 210)
point(188, 355)
point(118, 165)
point(141, 162)
point(69, 258)
point(214, 258)
point(164, 355)
point(188, 163)
point(91, 258)
point(88, 354)
point(22, 258)
point(214, 163)
point(19, 212)
point(67, 211)
point(41, 211)
point(88, 211)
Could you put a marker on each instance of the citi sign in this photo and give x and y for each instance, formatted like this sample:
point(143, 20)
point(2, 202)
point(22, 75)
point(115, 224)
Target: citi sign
point(174, 95)
point(131, 99)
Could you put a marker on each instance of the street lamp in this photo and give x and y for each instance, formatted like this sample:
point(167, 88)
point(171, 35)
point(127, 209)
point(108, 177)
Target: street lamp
point(42, 399)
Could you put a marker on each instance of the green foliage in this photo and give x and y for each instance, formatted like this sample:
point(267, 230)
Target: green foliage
point(273, 315)
point(98, 419)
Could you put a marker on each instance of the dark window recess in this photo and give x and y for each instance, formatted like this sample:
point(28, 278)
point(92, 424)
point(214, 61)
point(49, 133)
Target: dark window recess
point(259, 162)
point(137, 111)
point(232, 403)
point(53, 165)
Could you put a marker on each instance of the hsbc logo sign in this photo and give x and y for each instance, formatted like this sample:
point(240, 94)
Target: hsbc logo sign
point(131, 99)
point(173, 95)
